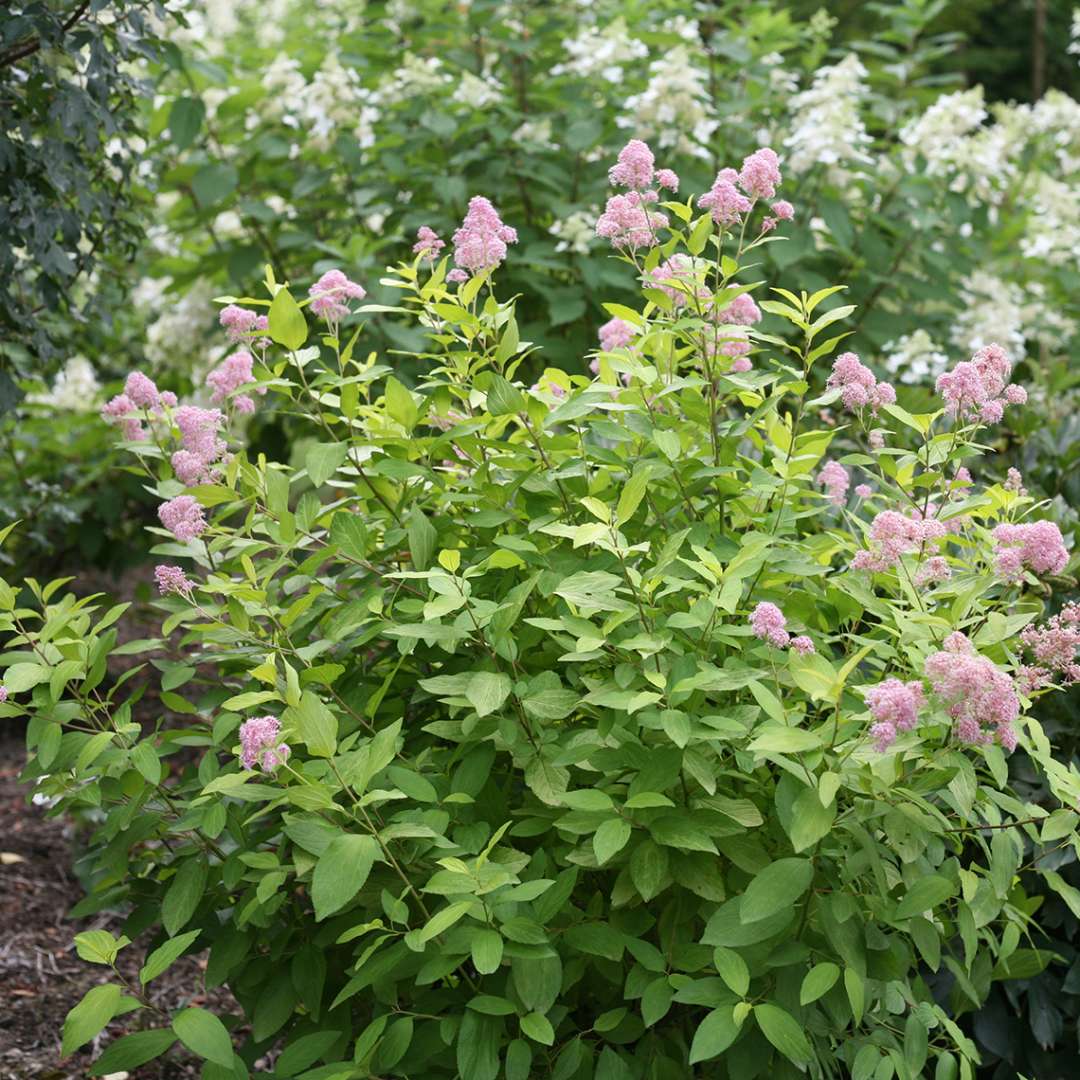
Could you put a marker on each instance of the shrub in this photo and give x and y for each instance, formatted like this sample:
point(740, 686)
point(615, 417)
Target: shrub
point(570, 729)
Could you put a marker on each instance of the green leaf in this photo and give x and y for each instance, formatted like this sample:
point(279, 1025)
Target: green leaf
point(400, 404)
point(714, 1035)
point(422, 540)
point(98, 946)
point(347, 531)
point(160, 959)
point(784, 1032)
point(214, 183)
point(487, 690)
point(780, 739)
point(185, 119)
point(97, 1008)
point(610, 839)
point(443, 920)
point(487, 951)
point(204, 1034)
point(288, 326)
point(503, 398)
point(925, 895)
point(678, 831)
point(184, 893)
point(317, 725)
point(538, 1028)
point(732, 969)
point(341, 872)
point(819, 980)
point(777, 887)
point(322, 460)
point(22, 677)
point(632, 494)
point(810, 821)
point(304, 1051)
point(132, 1051)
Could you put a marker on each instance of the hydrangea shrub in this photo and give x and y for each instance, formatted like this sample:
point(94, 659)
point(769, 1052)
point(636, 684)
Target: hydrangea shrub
point(577, 728)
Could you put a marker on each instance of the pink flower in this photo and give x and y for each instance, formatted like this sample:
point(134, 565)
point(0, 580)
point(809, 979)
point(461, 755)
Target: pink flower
point(742, 311)
point(480, 242)
point(877, 439)
point(834, 478)
point(803, 645)
point(741, 364)
point(428, 245)
point(1055, 644)
point(893, 535)
point(233, 372)
point(628, 223)
point(760, 174)
point(3, 694)
point(244, 404)
point(456, 276)
point(241, 323)
point(857, 385)
point(141, 391)
point(331, 293)
point(117, 408)
point(616, 334)
point(675, 278)
point(1036, 545)
point(724, 200)
point(168, 399)
point(768, 623)
point(936, 568)
point(190, 469)
point(634, 168)
point(665, 178)
point(260, 743)
point(171, 579)
point(894, 706)
point(783, 210)
point(863, 491)
point(183, 517)
point(977, 390)
point(1014, 482)
point(963, 476)
point(980, 699)
point(1015, 394)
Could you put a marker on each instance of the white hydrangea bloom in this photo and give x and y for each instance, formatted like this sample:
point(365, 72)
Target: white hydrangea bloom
point(938, 134)
point(674, 111)
point(535, 134)
point(601, 53)
point(417, 76)
point(1074, 34)
point(914, 358)
point(1052, 233)
point(992, 310)
point(828, 128)
point(178, 336)
point(75, 389)
point(477, 91)
point(577, 232)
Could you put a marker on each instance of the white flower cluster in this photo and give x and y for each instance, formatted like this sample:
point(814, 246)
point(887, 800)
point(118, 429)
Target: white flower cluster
point(577, 231)
point(417, 76)
point(178, 335)
point(991, 310)
point(675, 110)
point(535, 134)
point(1074, 34)
point(75, 389)
point(477, 91)
point(914, 358)
point(828, 129)
point(938, 134)
point(1052, 234)
point(602, 53)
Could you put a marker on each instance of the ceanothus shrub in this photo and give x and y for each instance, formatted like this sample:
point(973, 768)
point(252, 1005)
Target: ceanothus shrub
point(598, 727)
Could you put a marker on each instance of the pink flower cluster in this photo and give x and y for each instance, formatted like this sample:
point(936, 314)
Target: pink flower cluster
point(172, 579)
point(140, 396)
point(261, 745)
point(616, 334)
point(834, 478)
point(935, 569)
point(200, 442)
point(331, 293)
point(675, 278)
point(769, 624)
point(980, 699)
point(3, 694)
point(894, 706)
point(480, 242)
point(857, 385)
point(183, 517)
point(627, 220)
point(241, 324)
point(428, 244)
point(892, 535)
point(234, 371)
point(976, 390)
point(1037, 546)
point(1054, 645)
point(742, 311)
point(758, 179)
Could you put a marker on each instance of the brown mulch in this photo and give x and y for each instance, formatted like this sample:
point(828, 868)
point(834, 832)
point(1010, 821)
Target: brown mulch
point(41, 975)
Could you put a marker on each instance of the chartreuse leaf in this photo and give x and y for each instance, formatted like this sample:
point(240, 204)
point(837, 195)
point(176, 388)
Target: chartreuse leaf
point(204, 1034)
point(341, 872)
point(714, 1035)
point(287, 324)
point(164, 955)
point(784, 1032)
point(98, 1006)
point(610, 838)
point(732, 969)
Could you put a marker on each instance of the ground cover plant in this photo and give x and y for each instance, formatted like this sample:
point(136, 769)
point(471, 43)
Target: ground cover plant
point(648, 719)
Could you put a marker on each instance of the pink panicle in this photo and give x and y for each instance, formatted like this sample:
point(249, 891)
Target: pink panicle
point(261, 745)
point(634, 168)
point(724, 200)
point(893, 535)
point(183, 517)
point(171, 579)
point(783, 210)
point(628, 222)
point(894, 706)
point(480, 242)
point(616, 334)
point(234, 371)
point(980, 699)
point(1054, 644)
point(834, 478)
point(331, 293)
point(803, 645)
point(666, 179)
point(428, 244)
point(742, 311)
point(141, 391)
point(978, 390)
point(768, 623)
point(760, 174)
point(1035, 545)
point(241, 323)
point(857, 385)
